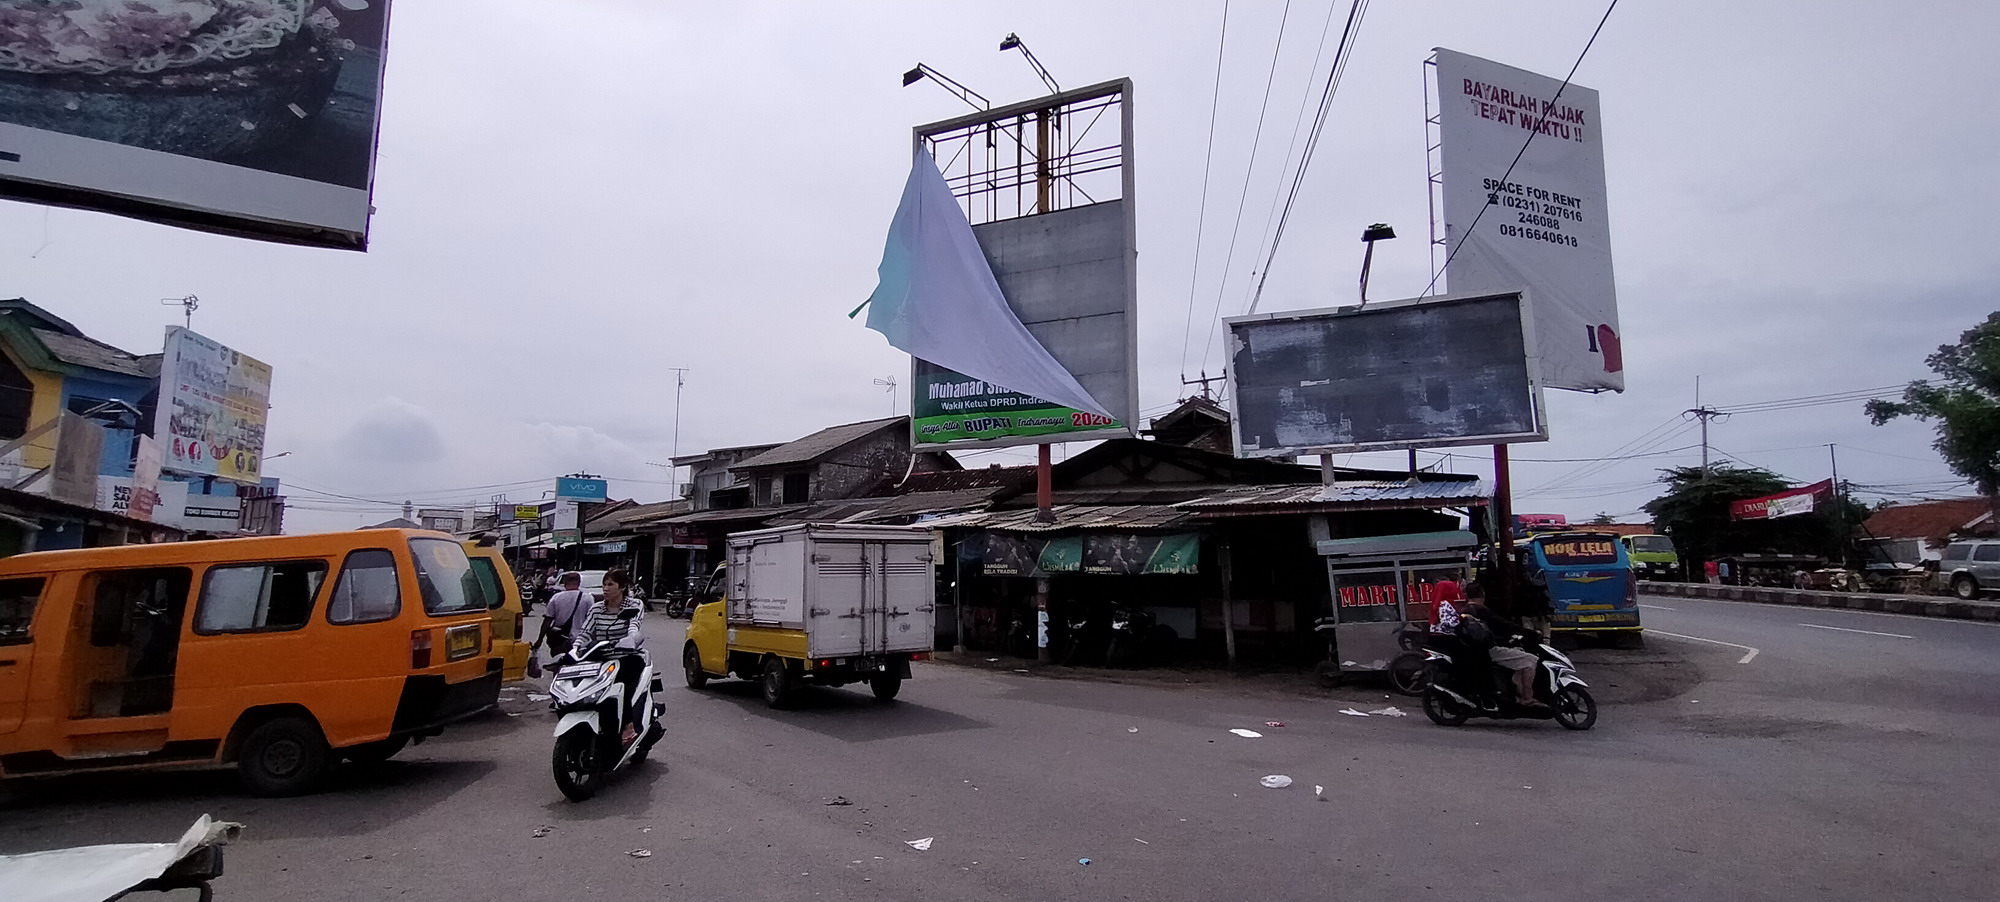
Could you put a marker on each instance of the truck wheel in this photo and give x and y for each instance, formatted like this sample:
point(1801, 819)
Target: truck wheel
point(283, 757)
point(885, 686)
point(777, 683)
point(691, 662)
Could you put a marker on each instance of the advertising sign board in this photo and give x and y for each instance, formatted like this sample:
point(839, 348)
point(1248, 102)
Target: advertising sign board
point(576, 488)
point(1802, 500)
point(79, 454)
point(213, 403)
point(1420, 373)
point(245, 117)
point(567, 526)
point(1544, 228)
point(949, 408)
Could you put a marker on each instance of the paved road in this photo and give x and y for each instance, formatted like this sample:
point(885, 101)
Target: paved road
point(1743, 786)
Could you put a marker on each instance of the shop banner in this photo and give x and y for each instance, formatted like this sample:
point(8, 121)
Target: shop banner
point(1008, 554)
point(1802, 500)
point(1543, 229)
point(79, 455)
point(213, 403)
point(1132, 554)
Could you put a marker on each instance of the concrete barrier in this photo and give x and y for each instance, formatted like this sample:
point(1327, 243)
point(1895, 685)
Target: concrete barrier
point(1916, 605)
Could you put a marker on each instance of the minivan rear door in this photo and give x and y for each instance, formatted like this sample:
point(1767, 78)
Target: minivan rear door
point(18, 599)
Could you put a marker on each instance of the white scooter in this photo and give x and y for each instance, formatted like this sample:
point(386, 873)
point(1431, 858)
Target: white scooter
point(590, 690)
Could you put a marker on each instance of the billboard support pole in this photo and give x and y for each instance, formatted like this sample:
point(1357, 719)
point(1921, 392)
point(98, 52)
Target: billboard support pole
point(1229, 603)
point(1503, 531)
point(1045, 489)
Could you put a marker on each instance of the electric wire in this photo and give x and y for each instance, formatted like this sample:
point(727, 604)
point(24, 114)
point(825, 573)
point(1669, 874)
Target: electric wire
point(1201, 216)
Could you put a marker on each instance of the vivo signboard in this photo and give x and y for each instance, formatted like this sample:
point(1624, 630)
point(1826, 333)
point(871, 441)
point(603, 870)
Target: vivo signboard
point(245, 117)
point(1544, 227)
point(581, 488)
point(1404, 374)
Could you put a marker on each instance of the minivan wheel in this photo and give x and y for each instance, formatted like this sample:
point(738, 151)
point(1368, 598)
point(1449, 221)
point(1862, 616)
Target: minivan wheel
point(1965, 587)
point(777, 682)
point(283, 757)
point(691, 662)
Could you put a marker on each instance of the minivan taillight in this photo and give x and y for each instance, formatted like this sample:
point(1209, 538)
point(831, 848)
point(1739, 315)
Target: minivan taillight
point(420, 649)
point(1631, 587)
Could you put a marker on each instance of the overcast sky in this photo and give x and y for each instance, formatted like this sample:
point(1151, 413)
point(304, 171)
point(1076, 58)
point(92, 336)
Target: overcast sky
point(574, 197)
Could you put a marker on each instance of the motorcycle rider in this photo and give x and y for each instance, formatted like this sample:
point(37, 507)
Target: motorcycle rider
point(1521, 663)
point(616, 620)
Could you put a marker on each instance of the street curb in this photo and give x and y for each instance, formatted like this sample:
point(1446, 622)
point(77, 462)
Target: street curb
point(1914, 605)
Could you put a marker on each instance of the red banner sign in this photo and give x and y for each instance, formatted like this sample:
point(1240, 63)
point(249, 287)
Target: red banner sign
point(1802, 500)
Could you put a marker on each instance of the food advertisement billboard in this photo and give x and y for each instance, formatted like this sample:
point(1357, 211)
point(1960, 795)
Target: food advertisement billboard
point(212, 409)
point(246, 117)
point(1543, 227)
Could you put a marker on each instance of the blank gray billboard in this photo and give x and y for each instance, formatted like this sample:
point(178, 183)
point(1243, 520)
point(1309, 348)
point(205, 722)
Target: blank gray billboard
point(1404, 374)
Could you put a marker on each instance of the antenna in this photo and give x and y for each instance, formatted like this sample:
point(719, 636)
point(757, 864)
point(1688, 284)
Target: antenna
point(891, 383)
point(187, 304)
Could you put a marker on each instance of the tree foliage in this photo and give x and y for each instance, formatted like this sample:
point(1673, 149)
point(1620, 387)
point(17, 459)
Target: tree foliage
point(1694, 511)
point(1964, 402)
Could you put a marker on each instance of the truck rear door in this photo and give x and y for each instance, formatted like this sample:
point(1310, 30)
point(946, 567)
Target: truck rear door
point(908, 585)
point(835, 616)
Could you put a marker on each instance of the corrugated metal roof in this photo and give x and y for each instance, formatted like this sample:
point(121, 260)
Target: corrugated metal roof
point(818, 444)
point(1075, 516)
point(79, 351)
point(989, 478)
point(1359, 493)
point(891, 508)
point(727, 515)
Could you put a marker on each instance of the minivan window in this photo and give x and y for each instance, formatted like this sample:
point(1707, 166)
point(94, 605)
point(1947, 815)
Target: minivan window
point(257, 597)
point(1957, 552)
point(445, 577)
point(368, 589)
point(489, 581)
point(17, 608)
point(1986, 553)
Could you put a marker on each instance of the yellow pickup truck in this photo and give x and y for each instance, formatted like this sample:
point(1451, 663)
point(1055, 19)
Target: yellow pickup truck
point(824, 604)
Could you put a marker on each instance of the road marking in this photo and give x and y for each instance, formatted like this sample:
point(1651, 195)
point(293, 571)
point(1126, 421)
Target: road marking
point(1659, 607)
point(1803, 608)
point(1745, 659)
point(1842, 629)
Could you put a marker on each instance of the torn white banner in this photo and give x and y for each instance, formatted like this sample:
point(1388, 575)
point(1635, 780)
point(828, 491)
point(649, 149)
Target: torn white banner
point(938, 300)
point(96, 873)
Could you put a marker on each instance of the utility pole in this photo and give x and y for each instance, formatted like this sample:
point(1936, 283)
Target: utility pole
point(1205, 379)
point(673, 466)
point(1704, 414)
point(1839, 510)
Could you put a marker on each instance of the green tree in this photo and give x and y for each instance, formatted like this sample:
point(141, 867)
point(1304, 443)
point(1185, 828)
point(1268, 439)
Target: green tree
point(1965, 404)
point(1602, 519)
point(1695, 512)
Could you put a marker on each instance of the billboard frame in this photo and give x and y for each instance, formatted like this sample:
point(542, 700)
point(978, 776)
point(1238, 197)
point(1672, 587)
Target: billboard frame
point(1121, 89)
point(1537, 403)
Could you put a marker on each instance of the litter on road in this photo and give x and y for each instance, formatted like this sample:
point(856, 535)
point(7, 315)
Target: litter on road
point(538, 697)
point(1274, 723)
point(1247, 734)
point(542, 831)
point(641, 853)
point(1352, 713)
point(921, 845)
point(1083, 861)
point(1390, 711)
point(1276, 781)
point(839, 802)
point(1134, 839)
point(1131, 729)
point(1319, 790)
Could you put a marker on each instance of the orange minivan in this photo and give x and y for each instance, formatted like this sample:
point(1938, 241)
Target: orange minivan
point(275, 655)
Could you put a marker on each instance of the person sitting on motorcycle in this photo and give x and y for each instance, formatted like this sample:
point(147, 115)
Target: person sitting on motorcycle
point(616, 621)
point(1521, 663)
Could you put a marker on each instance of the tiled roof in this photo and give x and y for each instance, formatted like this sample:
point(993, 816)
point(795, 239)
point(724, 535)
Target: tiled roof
point(1932, 520)
point(820, 444)
point(961, 480)
point(77, 350)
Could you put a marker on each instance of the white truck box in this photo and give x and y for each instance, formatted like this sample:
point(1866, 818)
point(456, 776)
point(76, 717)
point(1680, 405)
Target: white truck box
point(855, 590)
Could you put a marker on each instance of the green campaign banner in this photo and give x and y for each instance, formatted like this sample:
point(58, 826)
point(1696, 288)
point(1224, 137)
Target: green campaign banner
point(1123, 554)
point(948, 407)
point(1008, 554)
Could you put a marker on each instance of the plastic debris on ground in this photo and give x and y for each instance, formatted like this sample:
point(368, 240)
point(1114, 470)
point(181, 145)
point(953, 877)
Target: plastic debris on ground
point(542, 831)
point(1319, 790)
point(1134, 839)
point(1276, 781)
point(1390, 711)
point(1352, 713)
point(921, 845)
point(1274, 723)
point(839, 802)
point(992, 660)
point(1083, 861)
point(1131, 729)
point(641, 853)
point(1247, 734)
point(537, 697)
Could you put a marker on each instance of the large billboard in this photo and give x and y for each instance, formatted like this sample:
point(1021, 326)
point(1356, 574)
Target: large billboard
point(1544, 227)
point(213, 403)
point(246, 117)
point(1420, 373)
point(1053, 217)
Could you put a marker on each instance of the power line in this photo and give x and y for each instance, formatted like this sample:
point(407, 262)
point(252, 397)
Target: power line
point(1342, 53)
point(1249, 169)
point(1532, 133)
point(1201, 217)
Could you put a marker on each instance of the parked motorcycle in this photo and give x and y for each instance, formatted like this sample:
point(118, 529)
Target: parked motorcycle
point(599, 692)
point(1457, 690)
